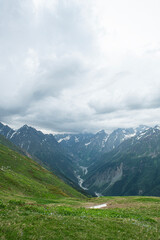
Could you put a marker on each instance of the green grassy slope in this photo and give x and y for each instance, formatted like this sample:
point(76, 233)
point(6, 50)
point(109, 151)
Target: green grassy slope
point(20, 175)
point(10, 145)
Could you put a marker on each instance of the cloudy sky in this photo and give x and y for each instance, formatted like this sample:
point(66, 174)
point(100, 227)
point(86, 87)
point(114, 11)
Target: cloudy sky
point(77, 65)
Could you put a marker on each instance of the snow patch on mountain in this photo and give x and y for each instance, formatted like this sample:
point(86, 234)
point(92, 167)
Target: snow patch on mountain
point(157, 127)
point(106, 138)
point(141, 135)
point(76, 139)
point(104, 141)
point(8, 133)
point(67, 138)
point(127, 136)
point(86, 144)
point(12, 135)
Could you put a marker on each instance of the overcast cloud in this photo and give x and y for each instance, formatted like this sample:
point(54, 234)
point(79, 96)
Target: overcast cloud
point(77, 65)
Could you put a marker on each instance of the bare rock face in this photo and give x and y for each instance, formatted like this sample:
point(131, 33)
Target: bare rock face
point(130, 169)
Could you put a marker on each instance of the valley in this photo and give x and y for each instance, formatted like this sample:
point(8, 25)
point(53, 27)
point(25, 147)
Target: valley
point(37, 204)
point(124, 162)
point(79, 120)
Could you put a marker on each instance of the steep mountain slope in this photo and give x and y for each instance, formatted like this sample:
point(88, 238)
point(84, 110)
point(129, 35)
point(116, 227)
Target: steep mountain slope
point(75, 144)
point(84, 147)
point(6, 131)
point(96, 163)
point(10, 145)
point(23, 176)
point(87, 147)
point(45, 148)
point(121, 134)
point(131, 169)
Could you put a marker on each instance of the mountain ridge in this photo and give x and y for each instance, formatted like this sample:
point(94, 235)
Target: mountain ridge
point(43, 147)
point(130, 169)
point(96, 163)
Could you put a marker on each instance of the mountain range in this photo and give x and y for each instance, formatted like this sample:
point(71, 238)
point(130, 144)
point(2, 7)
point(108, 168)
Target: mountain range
point(124, 162)
point(130, 169)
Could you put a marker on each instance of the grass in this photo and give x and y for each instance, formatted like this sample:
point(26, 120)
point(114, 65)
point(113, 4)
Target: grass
point(21, 175)
point(36, 205)
point(70, 219)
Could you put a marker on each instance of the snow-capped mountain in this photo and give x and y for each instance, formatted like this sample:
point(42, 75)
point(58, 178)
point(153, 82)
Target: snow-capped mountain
point(125, 162)
point(121, 134)
point(130, 169)
point(87, 148)
point(84, 147)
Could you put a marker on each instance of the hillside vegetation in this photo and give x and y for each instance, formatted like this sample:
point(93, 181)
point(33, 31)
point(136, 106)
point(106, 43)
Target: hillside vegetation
point(35, 204)
point(125, 162)
point(21, 175)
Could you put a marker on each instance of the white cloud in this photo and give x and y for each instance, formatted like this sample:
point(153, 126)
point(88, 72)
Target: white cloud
point(71, 65)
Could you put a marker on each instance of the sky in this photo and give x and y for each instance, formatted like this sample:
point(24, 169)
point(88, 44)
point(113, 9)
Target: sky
point(79, 66)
